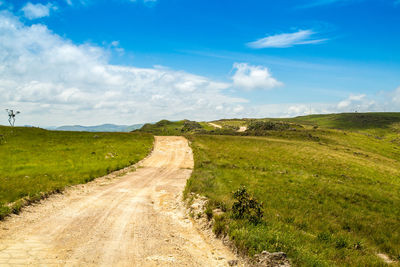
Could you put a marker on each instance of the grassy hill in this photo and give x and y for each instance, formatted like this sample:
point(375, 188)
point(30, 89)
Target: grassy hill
point(330, 186)
point(165, 127)
point(379, 122)
point(351, 121)
point(34, 161)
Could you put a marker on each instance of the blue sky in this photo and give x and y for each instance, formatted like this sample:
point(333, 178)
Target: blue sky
point(195, 59)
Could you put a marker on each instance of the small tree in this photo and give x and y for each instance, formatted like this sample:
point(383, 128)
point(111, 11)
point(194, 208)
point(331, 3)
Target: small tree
point(246, 206)
point(11, 116)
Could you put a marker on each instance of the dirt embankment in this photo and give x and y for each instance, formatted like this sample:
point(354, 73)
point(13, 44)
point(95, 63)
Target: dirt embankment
point(135, 220)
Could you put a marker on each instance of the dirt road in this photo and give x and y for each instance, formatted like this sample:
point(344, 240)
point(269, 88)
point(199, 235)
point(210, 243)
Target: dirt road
point(215, 125)
point(134, 220)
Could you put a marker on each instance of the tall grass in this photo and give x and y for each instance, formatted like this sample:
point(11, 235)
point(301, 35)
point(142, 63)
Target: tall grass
point(35, 161)
point(332, 200)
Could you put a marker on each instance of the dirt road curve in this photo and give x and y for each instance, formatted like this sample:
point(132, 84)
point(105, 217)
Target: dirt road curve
point(133, 220)
point(215, 125)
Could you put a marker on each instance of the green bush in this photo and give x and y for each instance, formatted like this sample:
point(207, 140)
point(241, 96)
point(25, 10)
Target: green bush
point(190, 126)
point(268, 126)
point(246, 206)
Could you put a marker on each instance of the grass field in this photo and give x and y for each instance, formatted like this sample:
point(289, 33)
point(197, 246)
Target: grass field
point(35, 161)
point(331, 199)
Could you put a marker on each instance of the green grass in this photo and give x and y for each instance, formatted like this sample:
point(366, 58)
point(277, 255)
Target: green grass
point(375, 123)
point(183, 127)
point(351, 121)
point(331, 199)
point(163, 127)
point(34, 162)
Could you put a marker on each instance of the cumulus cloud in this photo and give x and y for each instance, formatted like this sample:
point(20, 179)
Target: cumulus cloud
point(395, 96)
point(54, 81)
point(384, 101)
point(300, 37)
point(35, 11)
point(250, 77)
point(352, 101)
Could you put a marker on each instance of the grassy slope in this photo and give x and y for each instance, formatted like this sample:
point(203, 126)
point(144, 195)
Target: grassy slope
point(354, 121)
point(331, 200)
point(378, 123)
point(34, 161)
point(166, 127)
point(163, 127)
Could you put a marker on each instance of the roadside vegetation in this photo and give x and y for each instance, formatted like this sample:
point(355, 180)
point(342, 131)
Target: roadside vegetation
point(329, 197)
point(35, 162)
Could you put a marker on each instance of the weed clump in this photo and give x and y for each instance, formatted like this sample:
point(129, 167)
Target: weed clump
point(209, 213)
point(246, 206)
point(220, 226)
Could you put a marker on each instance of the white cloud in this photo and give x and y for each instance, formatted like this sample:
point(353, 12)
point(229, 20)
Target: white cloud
point(390, 102)
point(352, 101)
point(53, 81)
point(395, 96)
point(300, 37)
point(250, 77)
point(35, 11)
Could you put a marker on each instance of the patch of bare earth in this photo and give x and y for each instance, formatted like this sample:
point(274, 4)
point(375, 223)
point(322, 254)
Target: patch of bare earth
point(385, 258)
point(242, 129)
point(215, 125)
point(137, 219)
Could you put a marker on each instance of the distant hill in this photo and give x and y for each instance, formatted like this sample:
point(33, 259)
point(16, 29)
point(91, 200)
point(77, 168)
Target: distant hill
point(343, 121)
point(165, 127)
point(351, 121)
point(99, 128)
